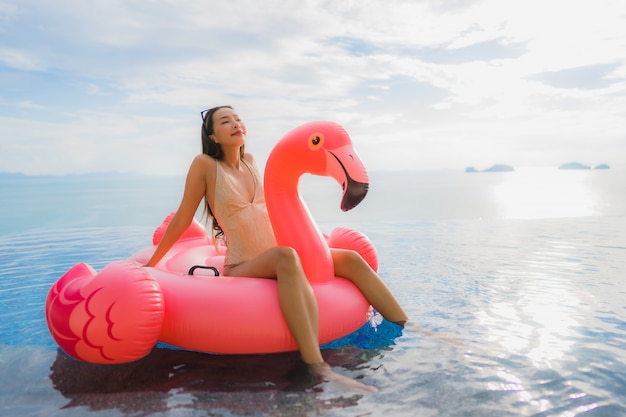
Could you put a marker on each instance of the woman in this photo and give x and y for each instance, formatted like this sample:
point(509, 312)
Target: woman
point(228, 180)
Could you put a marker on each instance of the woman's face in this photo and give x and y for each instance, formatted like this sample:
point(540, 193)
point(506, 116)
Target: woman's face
point(228, 129)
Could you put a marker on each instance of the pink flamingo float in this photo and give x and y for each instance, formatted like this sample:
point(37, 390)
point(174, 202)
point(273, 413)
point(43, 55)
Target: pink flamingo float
point(119, 314)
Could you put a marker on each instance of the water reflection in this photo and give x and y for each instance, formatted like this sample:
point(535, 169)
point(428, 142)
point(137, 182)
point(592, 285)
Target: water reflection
point(538, 307)
point(540, 193)
point(272, 384)
point(537, 321)
point(168, 380)
point(535, 312)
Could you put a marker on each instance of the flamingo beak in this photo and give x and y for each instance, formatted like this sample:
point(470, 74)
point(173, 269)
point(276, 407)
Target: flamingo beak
point(353, 193)
point(352, 177)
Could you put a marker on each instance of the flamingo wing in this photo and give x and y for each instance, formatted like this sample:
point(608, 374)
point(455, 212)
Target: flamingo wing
point(113, 316)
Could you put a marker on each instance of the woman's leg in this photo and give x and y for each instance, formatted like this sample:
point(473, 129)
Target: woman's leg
point(295, 295)
point(350, 265)
point(299, 306)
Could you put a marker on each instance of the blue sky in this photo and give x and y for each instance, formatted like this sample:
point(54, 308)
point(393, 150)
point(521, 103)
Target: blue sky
point(111, 85)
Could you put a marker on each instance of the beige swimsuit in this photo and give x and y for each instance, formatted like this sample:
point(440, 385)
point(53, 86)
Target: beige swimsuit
point(246, 224)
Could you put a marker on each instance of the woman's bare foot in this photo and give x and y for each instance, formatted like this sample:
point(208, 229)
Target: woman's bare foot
point(324, 373)
point(443, 337)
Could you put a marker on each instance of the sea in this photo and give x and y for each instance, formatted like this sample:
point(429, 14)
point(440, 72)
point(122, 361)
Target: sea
point(514, 283)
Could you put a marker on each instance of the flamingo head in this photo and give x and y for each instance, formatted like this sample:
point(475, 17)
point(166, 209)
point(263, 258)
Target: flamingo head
point(319, 148)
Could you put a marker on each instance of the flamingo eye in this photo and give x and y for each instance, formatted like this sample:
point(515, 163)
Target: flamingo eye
point(315, 141)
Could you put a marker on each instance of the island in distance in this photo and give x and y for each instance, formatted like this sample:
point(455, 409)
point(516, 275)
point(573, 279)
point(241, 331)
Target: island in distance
point(494, 168)
point(578, 165)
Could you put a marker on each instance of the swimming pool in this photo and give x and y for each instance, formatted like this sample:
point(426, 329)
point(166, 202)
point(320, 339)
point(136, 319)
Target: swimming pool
point(537, 303)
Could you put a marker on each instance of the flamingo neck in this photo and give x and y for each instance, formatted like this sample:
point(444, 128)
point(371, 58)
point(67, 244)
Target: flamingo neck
point(294, 227)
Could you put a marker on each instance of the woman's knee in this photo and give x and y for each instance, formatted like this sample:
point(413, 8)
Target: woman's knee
point(349, 258)
point(287, 258)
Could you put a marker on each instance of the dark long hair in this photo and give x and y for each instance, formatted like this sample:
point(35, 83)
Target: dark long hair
point(214, 150)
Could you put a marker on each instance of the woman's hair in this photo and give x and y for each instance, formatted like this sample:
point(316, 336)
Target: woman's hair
point(214, 150)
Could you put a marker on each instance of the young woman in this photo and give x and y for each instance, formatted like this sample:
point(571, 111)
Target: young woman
point(228, 180)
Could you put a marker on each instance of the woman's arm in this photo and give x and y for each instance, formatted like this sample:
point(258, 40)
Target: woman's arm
point(201, 168)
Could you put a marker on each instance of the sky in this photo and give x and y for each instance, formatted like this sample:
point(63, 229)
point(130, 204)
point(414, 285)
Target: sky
point(114, 85)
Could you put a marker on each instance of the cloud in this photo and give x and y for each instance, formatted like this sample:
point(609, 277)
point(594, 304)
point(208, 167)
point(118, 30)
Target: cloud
point(449, 81)
point(18, 60)
point(29, 105)
point(489, 50)
point(585, 77)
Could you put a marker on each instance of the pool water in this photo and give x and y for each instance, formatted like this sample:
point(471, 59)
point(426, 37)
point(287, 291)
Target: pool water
point(527, 312)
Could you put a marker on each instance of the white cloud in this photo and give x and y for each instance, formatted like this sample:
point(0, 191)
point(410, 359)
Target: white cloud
point(30, 105)
point(454, 82)
point(18, 60)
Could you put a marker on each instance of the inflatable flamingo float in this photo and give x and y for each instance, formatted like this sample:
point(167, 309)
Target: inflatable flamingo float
point(118, 314)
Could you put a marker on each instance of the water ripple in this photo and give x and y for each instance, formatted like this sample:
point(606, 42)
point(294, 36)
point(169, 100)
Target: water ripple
point(31, 262)
point(537, 304)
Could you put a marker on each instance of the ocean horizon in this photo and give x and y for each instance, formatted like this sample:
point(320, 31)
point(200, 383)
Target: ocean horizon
point(102, 199)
